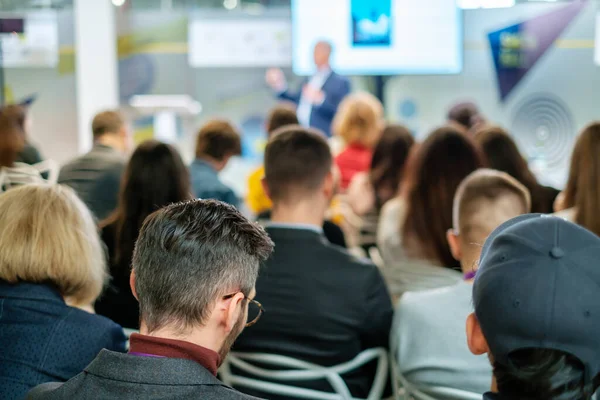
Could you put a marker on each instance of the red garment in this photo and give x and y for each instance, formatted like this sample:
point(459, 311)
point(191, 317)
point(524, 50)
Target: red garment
point(161, 347)
point(354, 159)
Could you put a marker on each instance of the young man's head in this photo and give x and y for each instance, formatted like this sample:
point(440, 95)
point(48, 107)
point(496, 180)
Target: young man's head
point(537, 313)
point(218, 141)
point(283, 114)
point(484, 200)
point(322, 54)
point(109, 128)
point(298, 172)
point(195, 265)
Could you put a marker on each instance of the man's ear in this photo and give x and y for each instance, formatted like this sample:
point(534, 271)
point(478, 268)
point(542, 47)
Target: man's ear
point(265, 187)
point(232, 308)
point(454, 242)
point(475, 339)
point(132, 284)
point(329, 185)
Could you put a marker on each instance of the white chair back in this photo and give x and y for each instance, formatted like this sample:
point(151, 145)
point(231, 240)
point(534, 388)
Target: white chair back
point(274, 381)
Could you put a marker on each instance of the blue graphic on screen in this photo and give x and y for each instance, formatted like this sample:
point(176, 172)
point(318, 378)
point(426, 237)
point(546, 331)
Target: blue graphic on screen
point(371, 22)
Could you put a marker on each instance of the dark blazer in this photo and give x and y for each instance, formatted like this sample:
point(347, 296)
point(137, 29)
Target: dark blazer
point(96, 177)
point(322, 305)
point(44, 340)
point(117, 302)
point(123, 376)
point(336, 87)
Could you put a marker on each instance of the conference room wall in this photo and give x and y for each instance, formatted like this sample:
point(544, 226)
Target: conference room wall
point(559, 95)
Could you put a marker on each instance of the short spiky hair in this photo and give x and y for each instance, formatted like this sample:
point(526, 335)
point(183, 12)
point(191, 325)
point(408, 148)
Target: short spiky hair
point(191, 253)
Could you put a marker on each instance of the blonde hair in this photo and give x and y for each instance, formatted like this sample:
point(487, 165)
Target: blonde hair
point(47, 235)
point(359, 119)
point(484, 200)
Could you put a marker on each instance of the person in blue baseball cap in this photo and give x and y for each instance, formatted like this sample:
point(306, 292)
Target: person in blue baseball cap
point(537, 310)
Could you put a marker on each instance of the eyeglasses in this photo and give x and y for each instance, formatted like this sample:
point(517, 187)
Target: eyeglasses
point(255, 309)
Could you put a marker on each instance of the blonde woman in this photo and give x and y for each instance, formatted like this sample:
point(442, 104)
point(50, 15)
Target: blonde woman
point(359, 123)
point(51, 258)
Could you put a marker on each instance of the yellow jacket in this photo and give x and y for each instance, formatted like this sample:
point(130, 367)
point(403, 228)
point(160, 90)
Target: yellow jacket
point(257, 200)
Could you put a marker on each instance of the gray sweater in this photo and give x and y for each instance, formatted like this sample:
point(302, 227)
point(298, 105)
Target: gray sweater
point(430, 335)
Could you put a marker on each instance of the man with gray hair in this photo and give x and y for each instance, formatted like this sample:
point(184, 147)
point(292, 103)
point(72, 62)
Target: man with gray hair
point(194, 270)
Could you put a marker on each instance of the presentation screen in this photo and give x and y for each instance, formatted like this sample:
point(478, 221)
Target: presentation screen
point(379, 37)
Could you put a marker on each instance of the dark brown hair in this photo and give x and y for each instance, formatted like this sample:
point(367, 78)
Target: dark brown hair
point(502, 154)
point(438, 167)
point(297, 160)
point(107, 122)
point(12, 134)
point(387, 164)
point(281, 115)
point(155, 177)
point(583, 187)
point(465, 114)
point(218, 139)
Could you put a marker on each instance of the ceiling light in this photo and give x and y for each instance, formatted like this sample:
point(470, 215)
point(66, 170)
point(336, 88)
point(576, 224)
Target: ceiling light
point(118, 3)
point(230, 4)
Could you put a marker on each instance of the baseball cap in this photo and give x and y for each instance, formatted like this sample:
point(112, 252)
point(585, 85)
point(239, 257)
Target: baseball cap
point(538, 286)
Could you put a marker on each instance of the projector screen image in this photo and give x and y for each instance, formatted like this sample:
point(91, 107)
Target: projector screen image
point(379, 37)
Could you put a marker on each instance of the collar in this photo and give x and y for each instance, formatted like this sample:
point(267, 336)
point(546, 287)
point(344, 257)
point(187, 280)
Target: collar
point(103, 147)
point(284, 225)
point(33, 291)
point(200, 162)
point(169, 348)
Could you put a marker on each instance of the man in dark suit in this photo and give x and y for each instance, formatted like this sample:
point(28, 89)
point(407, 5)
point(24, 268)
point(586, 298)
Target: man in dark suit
point(320, 96)
point(194, 270)
point(323, 305)
point(96, 175)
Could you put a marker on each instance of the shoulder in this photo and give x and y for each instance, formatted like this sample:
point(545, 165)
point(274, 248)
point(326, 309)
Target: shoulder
point(43, 391)
point(96, 330)
point(224, 392)
point(429, 302)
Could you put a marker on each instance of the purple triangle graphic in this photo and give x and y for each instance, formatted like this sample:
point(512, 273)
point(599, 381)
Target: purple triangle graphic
point(517, 48)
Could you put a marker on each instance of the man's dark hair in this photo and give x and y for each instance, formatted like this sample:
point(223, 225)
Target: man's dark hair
point(297, 160)
point(190, 254)
point(218, 139)
point(107, 122)
point(543, 374)
point(281, 115)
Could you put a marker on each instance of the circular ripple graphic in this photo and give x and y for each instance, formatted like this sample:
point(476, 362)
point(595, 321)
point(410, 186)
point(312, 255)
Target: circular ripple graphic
point(544, 128)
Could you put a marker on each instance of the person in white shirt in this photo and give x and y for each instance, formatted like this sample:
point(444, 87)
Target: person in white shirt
point(320, 96)
point(428, 335)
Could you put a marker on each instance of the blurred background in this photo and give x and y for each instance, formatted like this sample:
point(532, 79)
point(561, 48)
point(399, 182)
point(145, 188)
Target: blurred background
point(206, 58)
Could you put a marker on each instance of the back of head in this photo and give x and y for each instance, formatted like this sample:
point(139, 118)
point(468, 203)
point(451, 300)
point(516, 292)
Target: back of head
point(154, 177)
point(49, 236)
point(218, 139)
point(284, 114)
point(536, 309)
point(485, 200)
point(106, 123)
point(387, 164)
point(12, 134)
point(465, 114)
point(439, 165)
point(297, 161)
point(189, 255)
point(359, 119)
point(584, 178)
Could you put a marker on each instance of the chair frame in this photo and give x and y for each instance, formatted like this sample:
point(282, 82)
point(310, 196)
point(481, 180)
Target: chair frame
point(303, 371)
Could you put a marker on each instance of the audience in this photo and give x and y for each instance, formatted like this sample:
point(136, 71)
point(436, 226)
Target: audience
point(580, 201)
point(537, 311)
point(96, 176)
point(155, 177)
point(51, 260)
point(429, 326)
point(323, 305)
point(30, 154)
point(194, 269)
point(412, 227)
point(217, 142)
point(358, 123)
point(283, 114)
point(369, 191)
point(503, 154)
point(465, 115)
